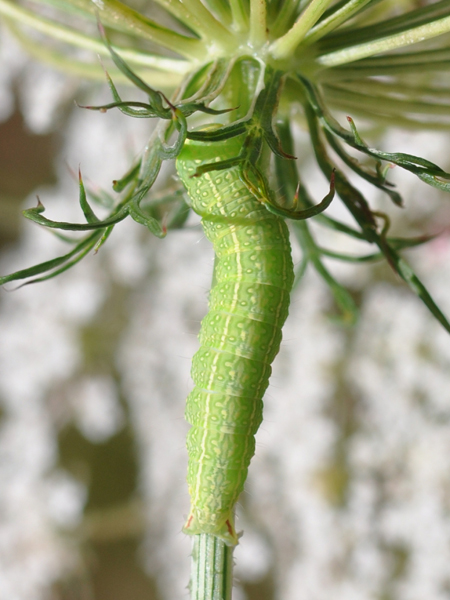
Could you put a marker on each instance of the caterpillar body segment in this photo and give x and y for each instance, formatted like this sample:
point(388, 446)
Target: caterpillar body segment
point(239, 337)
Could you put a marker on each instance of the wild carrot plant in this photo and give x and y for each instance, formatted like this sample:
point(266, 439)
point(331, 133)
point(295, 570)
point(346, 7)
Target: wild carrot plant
point(228, 82)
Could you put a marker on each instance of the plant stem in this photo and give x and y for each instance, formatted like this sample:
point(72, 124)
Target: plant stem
point(239, 15)
point(392, 42)
point(222, 11)
point(334, 20)
point(258, 34)
point(212, 568)
point(196, 15)
point(286, 45)
point(386, 104)
point(67, 35)
point(190, 18)
point(142, 26)
point(284, 17)
point(90, 70)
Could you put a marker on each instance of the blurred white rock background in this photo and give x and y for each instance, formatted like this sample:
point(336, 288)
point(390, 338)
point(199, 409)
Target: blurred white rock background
point(349, 493)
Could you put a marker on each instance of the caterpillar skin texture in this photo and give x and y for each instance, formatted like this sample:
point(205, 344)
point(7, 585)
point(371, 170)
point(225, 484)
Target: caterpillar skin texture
point(239, 337)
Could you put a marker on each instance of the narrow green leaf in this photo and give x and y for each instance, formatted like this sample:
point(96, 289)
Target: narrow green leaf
point(307, 213)
point(34, 215)
point(342, 227)
point(91, 217)
point(222, 133)
point(350, 257)
point(127, 108)
point(375, 178)
point(103, 239)
point(138, 215)
point(343, 299)
point(131, 176)
point(218, 166)
point(169, 152)
point(68, 265)
point(399, 243)
point(266, 108)
point(48, 265)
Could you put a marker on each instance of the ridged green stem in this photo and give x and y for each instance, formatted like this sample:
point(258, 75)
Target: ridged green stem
point(200, 21)
point(285, 46)
point(211, 568)
point(55, 58)
point(387, 44)
point(57, 31)
point(239, 15)
point(284, 18)
point(141, 26)
point(338, 17)
point(258, 25)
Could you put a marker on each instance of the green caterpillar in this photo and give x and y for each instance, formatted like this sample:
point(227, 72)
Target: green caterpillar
point(239, 337)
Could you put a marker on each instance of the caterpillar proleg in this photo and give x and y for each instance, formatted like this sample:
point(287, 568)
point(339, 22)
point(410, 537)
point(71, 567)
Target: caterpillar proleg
point(239, 337)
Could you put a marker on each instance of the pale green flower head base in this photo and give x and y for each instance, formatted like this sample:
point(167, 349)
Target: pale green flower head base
point(227, 82)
